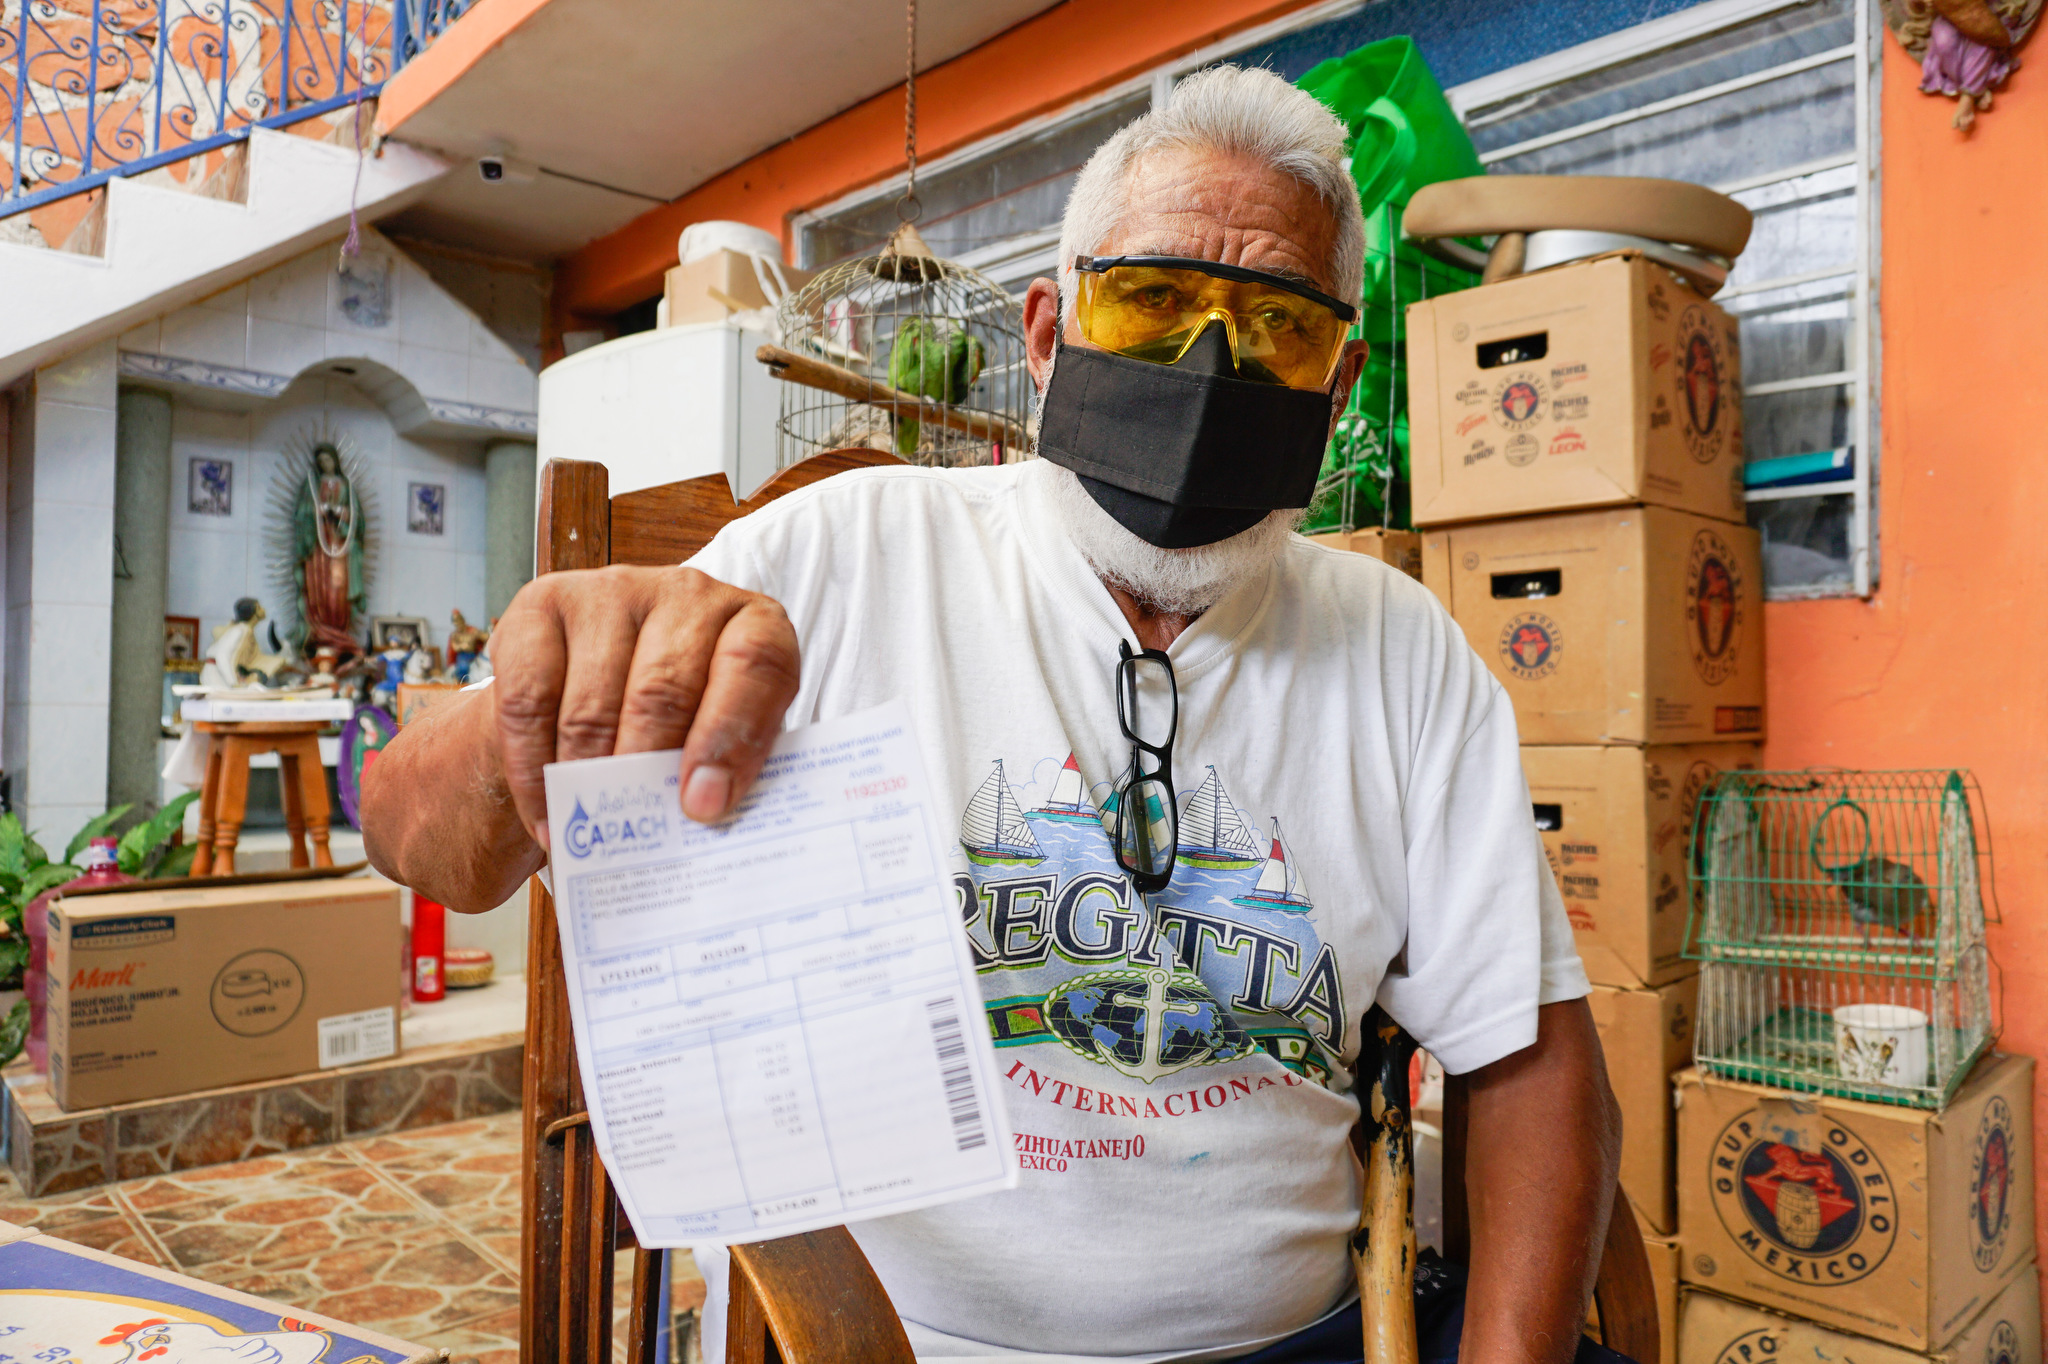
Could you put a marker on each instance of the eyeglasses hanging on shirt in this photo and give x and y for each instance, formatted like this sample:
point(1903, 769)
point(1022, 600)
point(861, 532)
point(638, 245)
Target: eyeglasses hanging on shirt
point(1147, 821)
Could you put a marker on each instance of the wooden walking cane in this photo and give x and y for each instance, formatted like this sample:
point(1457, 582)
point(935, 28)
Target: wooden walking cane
point(1383, 1248)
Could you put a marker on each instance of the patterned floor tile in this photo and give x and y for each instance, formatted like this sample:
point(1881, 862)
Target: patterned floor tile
point(415, 1234)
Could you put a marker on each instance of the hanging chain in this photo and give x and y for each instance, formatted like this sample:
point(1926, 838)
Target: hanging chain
point(909, 209)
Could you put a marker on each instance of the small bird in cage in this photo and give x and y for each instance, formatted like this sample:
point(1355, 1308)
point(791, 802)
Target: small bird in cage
point(1882, 894)
point(933, 357)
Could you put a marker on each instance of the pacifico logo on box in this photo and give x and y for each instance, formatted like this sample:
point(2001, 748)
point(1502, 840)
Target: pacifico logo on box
point(1713, 608)
point(1816, 1217)
point(1530, 644)
point(1991, 1185)
point(626, 820)
point(1702, 381)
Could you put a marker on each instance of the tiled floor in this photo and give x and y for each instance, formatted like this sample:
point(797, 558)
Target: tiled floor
point(416, 1234)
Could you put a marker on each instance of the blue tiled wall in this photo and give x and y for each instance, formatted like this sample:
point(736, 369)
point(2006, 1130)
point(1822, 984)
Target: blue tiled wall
point(1462, 39)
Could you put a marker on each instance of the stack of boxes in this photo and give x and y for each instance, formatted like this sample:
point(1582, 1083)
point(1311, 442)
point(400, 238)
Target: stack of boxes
point(1577, 472)
point(1863, 1232)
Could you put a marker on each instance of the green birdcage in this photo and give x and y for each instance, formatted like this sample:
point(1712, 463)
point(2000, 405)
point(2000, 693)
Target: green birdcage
point(1839, 921)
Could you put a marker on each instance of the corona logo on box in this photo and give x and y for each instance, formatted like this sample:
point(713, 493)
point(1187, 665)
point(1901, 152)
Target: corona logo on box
point(1823, 1217)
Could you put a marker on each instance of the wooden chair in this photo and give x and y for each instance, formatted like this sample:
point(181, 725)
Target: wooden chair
point(813, 1299)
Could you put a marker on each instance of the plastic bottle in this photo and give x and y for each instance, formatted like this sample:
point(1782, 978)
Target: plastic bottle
point(429, 941)
point(102, 868)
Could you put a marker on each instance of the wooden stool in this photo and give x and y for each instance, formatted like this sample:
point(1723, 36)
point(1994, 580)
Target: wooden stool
point(224, 799)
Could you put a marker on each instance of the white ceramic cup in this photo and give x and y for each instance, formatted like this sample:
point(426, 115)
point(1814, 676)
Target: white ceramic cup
point(1884, 1044)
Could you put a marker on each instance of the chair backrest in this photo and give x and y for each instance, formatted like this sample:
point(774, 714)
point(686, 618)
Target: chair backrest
point(572, 1225)
point(814, 1297)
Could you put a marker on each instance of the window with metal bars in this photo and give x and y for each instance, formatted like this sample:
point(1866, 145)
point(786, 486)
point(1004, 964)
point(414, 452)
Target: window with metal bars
point(1775, 103)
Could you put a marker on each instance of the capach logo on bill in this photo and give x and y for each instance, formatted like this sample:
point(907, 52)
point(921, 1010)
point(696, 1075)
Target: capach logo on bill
point(625, 820)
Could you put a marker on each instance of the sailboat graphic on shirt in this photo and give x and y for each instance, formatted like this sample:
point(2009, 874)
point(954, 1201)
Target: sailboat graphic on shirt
point(1069, 800)
point(992, 828)
point(1212, 833)
point(1279, 885)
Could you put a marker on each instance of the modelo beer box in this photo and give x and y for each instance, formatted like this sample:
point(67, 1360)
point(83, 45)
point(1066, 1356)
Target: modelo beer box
point(156, 992)
point(66, 1304)
point(1646, 1035)
point(1594, 384)
point(1714, 1330)
point(1616, 824)
point(1641, 625)
point(1895, 1223)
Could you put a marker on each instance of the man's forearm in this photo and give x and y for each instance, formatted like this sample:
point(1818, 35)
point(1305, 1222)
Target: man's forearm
point(1540, 1159)
point(437, 815)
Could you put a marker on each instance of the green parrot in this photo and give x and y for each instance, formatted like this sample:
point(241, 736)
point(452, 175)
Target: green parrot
point(933, 358)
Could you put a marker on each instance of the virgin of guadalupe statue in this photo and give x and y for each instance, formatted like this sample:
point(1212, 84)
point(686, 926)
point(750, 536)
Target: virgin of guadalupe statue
point(322, 540)
point(327, 550)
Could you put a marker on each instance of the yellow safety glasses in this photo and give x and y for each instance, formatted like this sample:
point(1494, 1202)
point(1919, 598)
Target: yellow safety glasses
point(1154, 307)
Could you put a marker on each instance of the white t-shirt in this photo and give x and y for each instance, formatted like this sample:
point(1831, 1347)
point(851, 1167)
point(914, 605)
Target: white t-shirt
point(1175, 1065)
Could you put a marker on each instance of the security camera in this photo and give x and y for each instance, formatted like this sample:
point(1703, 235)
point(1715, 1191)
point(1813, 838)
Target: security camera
point(505, 170)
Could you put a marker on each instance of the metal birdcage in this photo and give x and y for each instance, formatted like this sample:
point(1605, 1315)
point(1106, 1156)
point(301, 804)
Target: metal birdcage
point(1839, 917)
point(903, 351)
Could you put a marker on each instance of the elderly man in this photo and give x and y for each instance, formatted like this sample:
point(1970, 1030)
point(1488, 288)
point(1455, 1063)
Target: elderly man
point(1195, 755)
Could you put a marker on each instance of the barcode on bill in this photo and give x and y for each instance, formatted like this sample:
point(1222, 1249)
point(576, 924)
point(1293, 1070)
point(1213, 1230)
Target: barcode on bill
point(349, 1039)
point(956, 1073)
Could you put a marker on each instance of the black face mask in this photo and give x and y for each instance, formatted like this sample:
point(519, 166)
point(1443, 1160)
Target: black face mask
point(1184, 454)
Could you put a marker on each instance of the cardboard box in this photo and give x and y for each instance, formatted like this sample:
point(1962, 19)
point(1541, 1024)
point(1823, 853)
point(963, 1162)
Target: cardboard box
point(1637, 626)
point(1889, 1222)
point(1401, 548)
point(1647, 1035)
point(1662, 1252)
point(1594, 384)
point(69, 1302)
point(689, 288)
point(1616, 823)
point(156, 992)
point(1717, 1330)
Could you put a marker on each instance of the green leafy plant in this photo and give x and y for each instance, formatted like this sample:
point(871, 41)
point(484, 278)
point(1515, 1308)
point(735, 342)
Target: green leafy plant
point(26, 871)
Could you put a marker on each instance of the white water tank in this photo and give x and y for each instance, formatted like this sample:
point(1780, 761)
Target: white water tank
point(660, 406)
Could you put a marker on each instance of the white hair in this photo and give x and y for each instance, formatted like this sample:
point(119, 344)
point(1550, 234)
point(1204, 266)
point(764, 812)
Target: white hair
point(1238, 110)
point(1183, 582)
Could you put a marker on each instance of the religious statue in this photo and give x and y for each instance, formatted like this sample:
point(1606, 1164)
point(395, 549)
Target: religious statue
point(327, 553)
point(235, 659)
point(465, 643)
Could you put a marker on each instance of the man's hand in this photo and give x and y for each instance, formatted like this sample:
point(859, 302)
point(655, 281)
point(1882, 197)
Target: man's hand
point(588, 664)
point(1541, 1152)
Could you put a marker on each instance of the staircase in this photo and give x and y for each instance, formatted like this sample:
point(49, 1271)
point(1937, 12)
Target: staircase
point(151, 244)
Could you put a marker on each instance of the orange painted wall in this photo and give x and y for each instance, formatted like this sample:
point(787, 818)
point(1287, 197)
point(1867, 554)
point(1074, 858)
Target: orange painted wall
point(1947, 665)
point(1070, 51)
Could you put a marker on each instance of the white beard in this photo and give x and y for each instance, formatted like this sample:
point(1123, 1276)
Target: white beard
point(1178, 582)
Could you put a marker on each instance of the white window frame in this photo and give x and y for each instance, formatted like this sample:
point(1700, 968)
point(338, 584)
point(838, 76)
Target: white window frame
point(1039, 253)
point(1864, 375)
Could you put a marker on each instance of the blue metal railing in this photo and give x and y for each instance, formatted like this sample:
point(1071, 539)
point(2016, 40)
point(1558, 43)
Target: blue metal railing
point(95, 89)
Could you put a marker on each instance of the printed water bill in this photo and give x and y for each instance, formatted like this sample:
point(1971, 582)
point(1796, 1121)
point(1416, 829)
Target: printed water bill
point(776, 1017)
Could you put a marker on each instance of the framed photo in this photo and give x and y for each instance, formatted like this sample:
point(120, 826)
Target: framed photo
point(424, 505)
point(404, 632)
point(181, 643)
point(209, 486)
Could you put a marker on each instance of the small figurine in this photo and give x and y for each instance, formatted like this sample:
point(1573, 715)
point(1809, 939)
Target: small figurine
point(395, 654)
point(233, 661)
point(465, 644)
point(419, 666)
